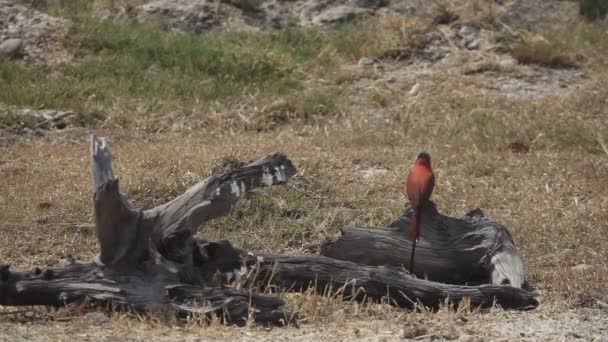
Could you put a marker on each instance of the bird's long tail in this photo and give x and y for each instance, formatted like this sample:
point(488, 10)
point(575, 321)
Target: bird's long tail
point(415, 224)
point(414, 234)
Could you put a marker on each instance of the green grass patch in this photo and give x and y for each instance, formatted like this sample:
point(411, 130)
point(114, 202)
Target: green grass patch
point(137, 61)
point(593, 9)
point(150, 65)
point(145, 62)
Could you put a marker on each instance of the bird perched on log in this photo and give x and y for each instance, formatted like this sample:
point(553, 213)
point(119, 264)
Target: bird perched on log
point(419, 187)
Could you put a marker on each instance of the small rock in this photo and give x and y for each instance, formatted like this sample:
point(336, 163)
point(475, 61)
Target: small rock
point(507, 61)
point(467, 338)
point(466, 31)
point(600, 338)
point(11, 47)
point(414, 90)
point(582, 268)
point(473, 44)
point(47, 114)
point(178, 125)
point(601, 304)
point(339, 14)
point(366, 62)
point(96, 318)
point(371, 171)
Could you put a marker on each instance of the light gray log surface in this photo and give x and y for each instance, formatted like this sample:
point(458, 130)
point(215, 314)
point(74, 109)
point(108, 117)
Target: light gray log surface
point(174, 223)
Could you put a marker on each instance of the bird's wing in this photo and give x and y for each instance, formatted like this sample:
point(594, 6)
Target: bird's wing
point(427, 186)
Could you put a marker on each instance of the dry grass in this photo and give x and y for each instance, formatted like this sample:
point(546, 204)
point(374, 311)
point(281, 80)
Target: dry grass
point(553, 198)
point(541, 53)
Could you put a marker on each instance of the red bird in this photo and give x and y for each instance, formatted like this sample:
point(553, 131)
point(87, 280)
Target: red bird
point(419, 187)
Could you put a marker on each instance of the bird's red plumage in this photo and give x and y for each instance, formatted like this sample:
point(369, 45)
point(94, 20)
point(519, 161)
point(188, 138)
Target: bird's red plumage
point(419, 187)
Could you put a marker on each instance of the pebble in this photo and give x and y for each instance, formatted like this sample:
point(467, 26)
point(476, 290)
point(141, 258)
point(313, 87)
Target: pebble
point(366, 62)
point(582, 268)
point(473, 44)
point(414, 90)
point(372, 171)
point(466, 31)
point(466, 338)
point(339, 14)
point(11, 47)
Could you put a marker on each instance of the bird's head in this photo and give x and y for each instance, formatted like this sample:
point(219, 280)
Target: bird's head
point(424, 158)
point(424, 155)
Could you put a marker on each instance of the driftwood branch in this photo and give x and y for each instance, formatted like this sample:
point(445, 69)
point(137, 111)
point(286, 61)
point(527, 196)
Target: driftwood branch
point(150, 258)
point(155, 287)
point(458, 250)
point(130, 271)
point(377, 283)
point(174, 223)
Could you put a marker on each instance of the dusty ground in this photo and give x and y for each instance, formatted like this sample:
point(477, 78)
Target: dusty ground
point(526, 142)
point(588, 325)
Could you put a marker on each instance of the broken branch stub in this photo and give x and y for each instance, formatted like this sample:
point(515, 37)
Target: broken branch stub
point(122, 241)
point(173, 224)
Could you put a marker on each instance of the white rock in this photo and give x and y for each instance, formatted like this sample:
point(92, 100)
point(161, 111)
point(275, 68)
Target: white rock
point(466, 338)
point(466, 31)
point(366, 62)
point(414, 90)
point(371, 172)
point(11, 47)
point(582, 268)
point(337, 14)
point(178, 125)
point(473, 44)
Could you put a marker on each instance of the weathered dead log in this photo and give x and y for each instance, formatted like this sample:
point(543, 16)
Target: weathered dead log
point(359, 282)
point(457, 250)
point(155, 287)
point(150, 259)
point(146, 257)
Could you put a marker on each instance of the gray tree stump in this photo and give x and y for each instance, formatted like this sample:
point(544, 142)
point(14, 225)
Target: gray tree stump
point(457, 250)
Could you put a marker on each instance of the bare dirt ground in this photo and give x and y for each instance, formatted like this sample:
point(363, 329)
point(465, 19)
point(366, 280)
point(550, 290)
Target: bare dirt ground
point(526, 142)
point(583, 325)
